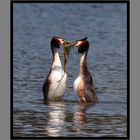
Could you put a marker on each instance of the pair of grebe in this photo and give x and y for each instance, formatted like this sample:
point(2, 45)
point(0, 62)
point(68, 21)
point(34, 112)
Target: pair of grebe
point(54, 88)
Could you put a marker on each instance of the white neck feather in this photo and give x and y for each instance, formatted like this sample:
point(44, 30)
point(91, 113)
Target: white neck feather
point(56, 61)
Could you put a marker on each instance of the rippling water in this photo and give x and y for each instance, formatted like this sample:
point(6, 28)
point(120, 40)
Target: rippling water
point(105, 26)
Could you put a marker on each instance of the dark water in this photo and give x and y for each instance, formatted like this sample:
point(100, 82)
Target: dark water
point(105, 26)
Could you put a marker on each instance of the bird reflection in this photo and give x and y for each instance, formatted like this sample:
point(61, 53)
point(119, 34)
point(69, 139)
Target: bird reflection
point(80, 116)
point(55, 119)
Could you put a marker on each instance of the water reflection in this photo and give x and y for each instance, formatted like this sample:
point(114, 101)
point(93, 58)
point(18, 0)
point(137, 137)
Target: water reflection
point(55, 119)
point(80, 116)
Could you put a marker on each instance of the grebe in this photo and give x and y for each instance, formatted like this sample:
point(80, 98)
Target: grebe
point(53, 88)
point(83, 84)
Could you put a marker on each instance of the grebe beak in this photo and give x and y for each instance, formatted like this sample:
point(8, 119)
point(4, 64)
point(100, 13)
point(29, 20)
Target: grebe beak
point(71, 44)
point(78, 42)
point(65, 42)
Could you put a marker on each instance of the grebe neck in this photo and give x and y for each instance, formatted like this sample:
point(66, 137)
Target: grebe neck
point(83, 63)
point(56, 58)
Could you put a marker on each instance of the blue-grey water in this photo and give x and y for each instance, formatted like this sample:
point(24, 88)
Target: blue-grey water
point(105, 25)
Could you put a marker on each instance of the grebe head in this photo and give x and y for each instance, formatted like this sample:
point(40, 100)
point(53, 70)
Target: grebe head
point(82, 44)
point(57, 42)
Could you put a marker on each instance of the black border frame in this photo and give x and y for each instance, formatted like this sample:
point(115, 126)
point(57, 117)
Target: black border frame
point(128, 65)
